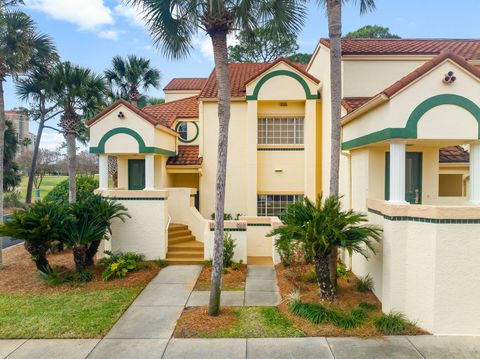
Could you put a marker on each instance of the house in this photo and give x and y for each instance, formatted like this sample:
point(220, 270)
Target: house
point(410, 159)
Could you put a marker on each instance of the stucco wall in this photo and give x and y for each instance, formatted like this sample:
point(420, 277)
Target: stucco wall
point(281, 171)
point(178, 95)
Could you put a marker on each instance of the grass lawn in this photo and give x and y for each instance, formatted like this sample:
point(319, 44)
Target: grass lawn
point(66, 315)
point(47, 184)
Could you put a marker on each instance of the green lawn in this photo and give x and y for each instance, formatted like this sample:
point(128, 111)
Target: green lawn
point(88, 314)
point(47, 184)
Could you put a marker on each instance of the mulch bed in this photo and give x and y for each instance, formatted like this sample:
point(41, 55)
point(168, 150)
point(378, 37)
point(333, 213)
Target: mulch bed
point(19, 275)
point(231, 280)
point(195, 321)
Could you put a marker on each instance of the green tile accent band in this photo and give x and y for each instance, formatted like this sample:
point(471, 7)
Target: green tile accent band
point(138, 198)
point(280, 149)
point(424, 220)
point(231, 229)
point(258, 225)
point(300, 79)
point(142, 148)
point(410, 130)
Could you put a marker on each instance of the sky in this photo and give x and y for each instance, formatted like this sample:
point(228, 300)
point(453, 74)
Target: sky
point(91, 32)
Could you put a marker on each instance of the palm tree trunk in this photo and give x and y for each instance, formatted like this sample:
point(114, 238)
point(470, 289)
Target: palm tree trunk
point(33, 166)
point(2, 144)
point(80, 257)
point(39, 255)
point(219, 41)
point(334, 10)
point(327, 290)
point(72, 164)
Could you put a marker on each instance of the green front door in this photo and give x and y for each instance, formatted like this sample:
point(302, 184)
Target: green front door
point(413, 177)
point(136, 174)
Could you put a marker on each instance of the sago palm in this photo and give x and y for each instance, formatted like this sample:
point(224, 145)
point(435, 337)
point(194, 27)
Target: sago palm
point(129, 75)
point(79, 93)
point(334, 14)
point(174, 26)
point(323, 226)
point(21, 47)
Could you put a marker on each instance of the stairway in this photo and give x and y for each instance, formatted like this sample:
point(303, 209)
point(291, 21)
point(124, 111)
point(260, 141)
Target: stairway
point(182, 246)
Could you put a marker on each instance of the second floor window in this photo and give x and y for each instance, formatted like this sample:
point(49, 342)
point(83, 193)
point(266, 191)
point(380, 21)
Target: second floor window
point(183, 130)
point(280, 131)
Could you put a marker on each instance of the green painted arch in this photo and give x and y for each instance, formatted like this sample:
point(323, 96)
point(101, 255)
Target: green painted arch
point(411, 129)
point(294, 75)
point(142, 148)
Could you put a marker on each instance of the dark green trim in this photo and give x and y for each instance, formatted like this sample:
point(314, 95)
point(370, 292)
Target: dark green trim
point(410, 130)
point(142, 148)
point(258, 225)
point(280, 149)
point(196, 135)
point(231, 229)
point(424, 220)
point(294, 75)
point(139, 198)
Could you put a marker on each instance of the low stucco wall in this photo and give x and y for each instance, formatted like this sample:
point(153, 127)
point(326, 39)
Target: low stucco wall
point(145, 232)
point(238, 231)
point(427, 271)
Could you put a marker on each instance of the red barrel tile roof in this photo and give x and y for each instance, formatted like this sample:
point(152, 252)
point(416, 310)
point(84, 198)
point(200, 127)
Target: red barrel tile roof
point(186, 83)
point(352, 103)
point(468, 48)
point(187, 156)
point(167, 113)
point(454, 154)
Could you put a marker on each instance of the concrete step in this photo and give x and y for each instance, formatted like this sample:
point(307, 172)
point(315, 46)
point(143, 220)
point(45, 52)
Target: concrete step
point(182, 239)
point(187, 246)
point(184, 255)
point(179, 233)
point(177, 227)
point(185, 261)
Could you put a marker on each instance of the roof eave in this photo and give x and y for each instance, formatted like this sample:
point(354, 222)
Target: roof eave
point(369, 105)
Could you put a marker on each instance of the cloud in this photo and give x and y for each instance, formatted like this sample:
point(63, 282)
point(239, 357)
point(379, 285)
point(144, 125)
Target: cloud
point(51, 140)
point(109, 34)
point(86, 14)
point(204, 44)
point(133, 15)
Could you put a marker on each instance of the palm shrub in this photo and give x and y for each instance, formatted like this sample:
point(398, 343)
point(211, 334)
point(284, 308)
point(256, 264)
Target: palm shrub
point(322, 227)
point(92, 220)
point(39, 225)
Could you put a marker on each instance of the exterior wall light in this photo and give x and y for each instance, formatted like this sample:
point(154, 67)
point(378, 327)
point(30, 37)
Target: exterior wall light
point(449, 78)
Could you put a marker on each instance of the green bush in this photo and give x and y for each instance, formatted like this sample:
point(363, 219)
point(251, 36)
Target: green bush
point(39, 225)
point(161, 262)
point(119, 264)
point(342, 271)
point(85, 186)
point(235, 266)
point(13, 200)
point(55, 277)
point(393, 323)
point(364, 284)
point(367, 306)
point(208, 263)
point(311, 276)
point(228, 250)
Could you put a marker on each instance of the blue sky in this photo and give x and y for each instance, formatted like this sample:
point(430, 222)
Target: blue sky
point(91, 32)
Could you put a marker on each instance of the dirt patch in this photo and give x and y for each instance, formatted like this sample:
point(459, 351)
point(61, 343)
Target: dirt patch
point(231, 279)
point(19, 275)
point(195, 322)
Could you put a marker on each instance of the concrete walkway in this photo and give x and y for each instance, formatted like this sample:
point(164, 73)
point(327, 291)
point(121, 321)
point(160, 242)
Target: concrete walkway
point(316, 348)
point(260, 290)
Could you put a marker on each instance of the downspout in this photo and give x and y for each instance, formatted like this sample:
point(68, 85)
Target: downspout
point(350, 191)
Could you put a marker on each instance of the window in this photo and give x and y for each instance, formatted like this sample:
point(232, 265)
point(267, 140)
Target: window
point(182, 130)
point(275, 204)
point(280, 131)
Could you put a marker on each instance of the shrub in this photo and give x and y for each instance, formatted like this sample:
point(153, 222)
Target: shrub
point(161, 262)
point(235, 266)
point(367, 306)
point(118, 265)
point(228, 249)
point(342, 271)
point(13, 200)
point(393, 323)
point(54, 277)
point(208, 263)
point(298, 266)
point(364, 284)
point(85, 186)
point(39, 225)
point(284, 248)
point(311, 276)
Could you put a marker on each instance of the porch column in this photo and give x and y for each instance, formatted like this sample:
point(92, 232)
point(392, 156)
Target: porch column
point(397, 173)
point(475, 173)
point(103, 171)
point(149, 172)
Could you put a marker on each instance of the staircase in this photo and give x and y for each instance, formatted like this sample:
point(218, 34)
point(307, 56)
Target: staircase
point(182, 246)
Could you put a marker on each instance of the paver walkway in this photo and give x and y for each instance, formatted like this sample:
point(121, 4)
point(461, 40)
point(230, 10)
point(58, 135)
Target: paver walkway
point(260, 290)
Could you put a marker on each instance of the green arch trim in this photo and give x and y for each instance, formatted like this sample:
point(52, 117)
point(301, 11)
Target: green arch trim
point(142, 148)
point(411, 128)
point(294, 75)
point(196, 135)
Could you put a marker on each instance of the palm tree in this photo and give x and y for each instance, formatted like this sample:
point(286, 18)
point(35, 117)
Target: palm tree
point(21, 47)
point(79, 93)
point(174, 25)
point(334, 14)
point(321, 227)
point(130, 74)
point(37, 88)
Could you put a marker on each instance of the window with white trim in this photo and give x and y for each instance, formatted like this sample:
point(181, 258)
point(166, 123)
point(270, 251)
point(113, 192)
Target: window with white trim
point(275, 204)
point(280, 131)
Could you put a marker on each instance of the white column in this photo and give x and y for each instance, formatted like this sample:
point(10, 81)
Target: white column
point(103, 171)
point(397, 173)
point(475, 173)
point(149, 172)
